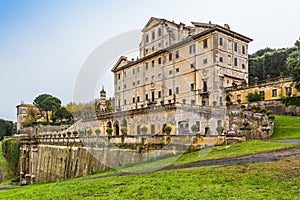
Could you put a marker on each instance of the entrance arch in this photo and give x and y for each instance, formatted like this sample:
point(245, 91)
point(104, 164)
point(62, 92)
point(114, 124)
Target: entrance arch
point(116, 127)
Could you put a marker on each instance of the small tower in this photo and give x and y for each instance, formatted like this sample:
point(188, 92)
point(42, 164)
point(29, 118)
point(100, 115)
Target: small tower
point(102, 99)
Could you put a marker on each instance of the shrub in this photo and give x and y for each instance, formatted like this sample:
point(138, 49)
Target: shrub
point(124, 129)
point(89, 131)
point(220, 128)
point(251, 97)
point(144, 129)
point(167, 128)
point(109, 130)
point(195, 127)
point(98, 131)
point(271, 117)
point(269, 112)
point(263, 110)
point(75, 132)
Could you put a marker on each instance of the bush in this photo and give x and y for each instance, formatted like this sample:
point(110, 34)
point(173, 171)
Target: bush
point(269, 112)
point(98, 131)
point(109, 130)
point(251, 97)
point(271, 117)
point(124, 129)
point(220, 128)
point(11, 150)
point(75, 132)
point(167, 128)
point(291, 101)
point(144, 129)
point(195, 127)
point(263, 110)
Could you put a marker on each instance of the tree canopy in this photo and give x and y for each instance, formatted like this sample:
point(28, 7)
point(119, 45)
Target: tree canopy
point(251, 97)
point(47, 103)
point(62, 114)
point(293, 65)
point(6, 128)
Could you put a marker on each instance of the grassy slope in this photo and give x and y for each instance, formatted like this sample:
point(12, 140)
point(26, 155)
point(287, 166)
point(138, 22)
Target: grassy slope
point(7, 173)
point(276, 180)
point(286, 127)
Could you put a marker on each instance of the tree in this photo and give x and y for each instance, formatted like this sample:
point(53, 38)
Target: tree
point(32, 115)
point(251, 97)
point(293, 65)
point(6, 128)
point(47, 103)
point(62, 114)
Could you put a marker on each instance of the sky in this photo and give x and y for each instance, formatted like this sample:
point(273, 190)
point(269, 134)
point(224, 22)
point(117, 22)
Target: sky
point(45, 44)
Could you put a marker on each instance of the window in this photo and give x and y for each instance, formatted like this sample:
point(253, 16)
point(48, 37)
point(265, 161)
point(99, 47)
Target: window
point(205, 43)
point(119, 88)
point(138, 69)
point(192, 87)
point(119, 76)
point(274, 93)
point(205, 61)
point(147, 38)
point(243, 66)
point(170, 92)
point(153, 63)
point(235, 46)
point(235, 62)
point(124, 86)
point(192, 48)
point(159, 94)
point(133, 99)
point(133, 83)
point(229, 59)
point(159, 60)
point(138, 82)
point(146, 51)
point(153, 35)
point(193, 101)
point(239, 97)
point(170, 56)
point(221, 41)
point(124, 101)
point(288, 91)
point(177, 90)
point(153, 78)
point(138, 99)
point(159, 32)
point(170, 72)
point(152, 48)
point(219, 122)
point(262, 94)
point(243, 49)
point(177, 70)
point(192, 65)
point(159, 75)
point(221, 59)
point(146, 79)
point(204, 86)
point(146, 65)
point(124, 74)
point(146, 97)
point(177, 54)
point(133, 71)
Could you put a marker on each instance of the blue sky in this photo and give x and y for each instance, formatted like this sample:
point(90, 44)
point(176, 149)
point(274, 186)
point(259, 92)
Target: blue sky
point(43, 44)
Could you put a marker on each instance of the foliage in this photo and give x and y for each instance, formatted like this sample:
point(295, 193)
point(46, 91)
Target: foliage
point(286, 127)
point(6, 128)
point(109, 130)
point(124, 129)
point(97, 131)
point(263, 110)
point(62, 114)
point(89, 131)
point(11, 150)
point(82, 110)
point(268, 61)
point(47, 103)
point(220, 128)
point(167, 128)
point(75, 132)
point(32, 115)
point(228, 103)
point(293, 65)
point(195, 127)
point(271, 117)
point(7, 172)
point(144, 128)
point(291, 101)
point(251, 97)
point(269, 112)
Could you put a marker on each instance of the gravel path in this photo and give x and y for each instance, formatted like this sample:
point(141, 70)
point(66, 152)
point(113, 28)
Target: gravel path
point(260, 157)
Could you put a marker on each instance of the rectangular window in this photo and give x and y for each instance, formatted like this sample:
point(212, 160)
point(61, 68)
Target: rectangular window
point(177, 70)
point(170, 72)
point(146, 79)
point(235, 46)
point(152, 78)
point(205, 61)
point(229, 60)
point(274, 93)
point(221, 41)
point(205, 43)
point(124, 74)
point(153, 35)
point(146, 97)
point(192, 87)
point(243, 66)
point(170, 92)
point(133, 99)
point(153, 63)
point(119, 76)
point(124, 101)
point(146, 65)
point(221, 59)
point(239, 97)
point(159, 75)
point(147, 38)
point(192, 65)
point(138, 82)
point(138, 69)
point(177, 54)
point(133, 83)
point(262, 94)
point(138, 98)
point(192, 48)
point(288, 91)
point(124, 86)
point(159, 94)
point(235, 62)
point(159, 32)
point(159, 60)
point(133, 71)
point(243, 49)
point(170, 56)
point(177, 90)
point(204, 86)
point(152, 129)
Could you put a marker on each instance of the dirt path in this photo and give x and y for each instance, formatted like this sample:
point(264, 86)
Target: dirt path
point(260, 157)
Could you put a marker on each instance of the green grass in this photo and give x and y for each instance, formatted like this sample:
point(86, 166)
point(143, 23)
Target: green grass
point(286, 127)
point(7, 172)
point(273, 180)
point(238, 149)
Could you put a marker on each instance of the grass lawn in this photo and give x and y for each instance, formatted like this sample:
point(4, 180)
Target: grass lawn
point(286, 127)
point(273, 180)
